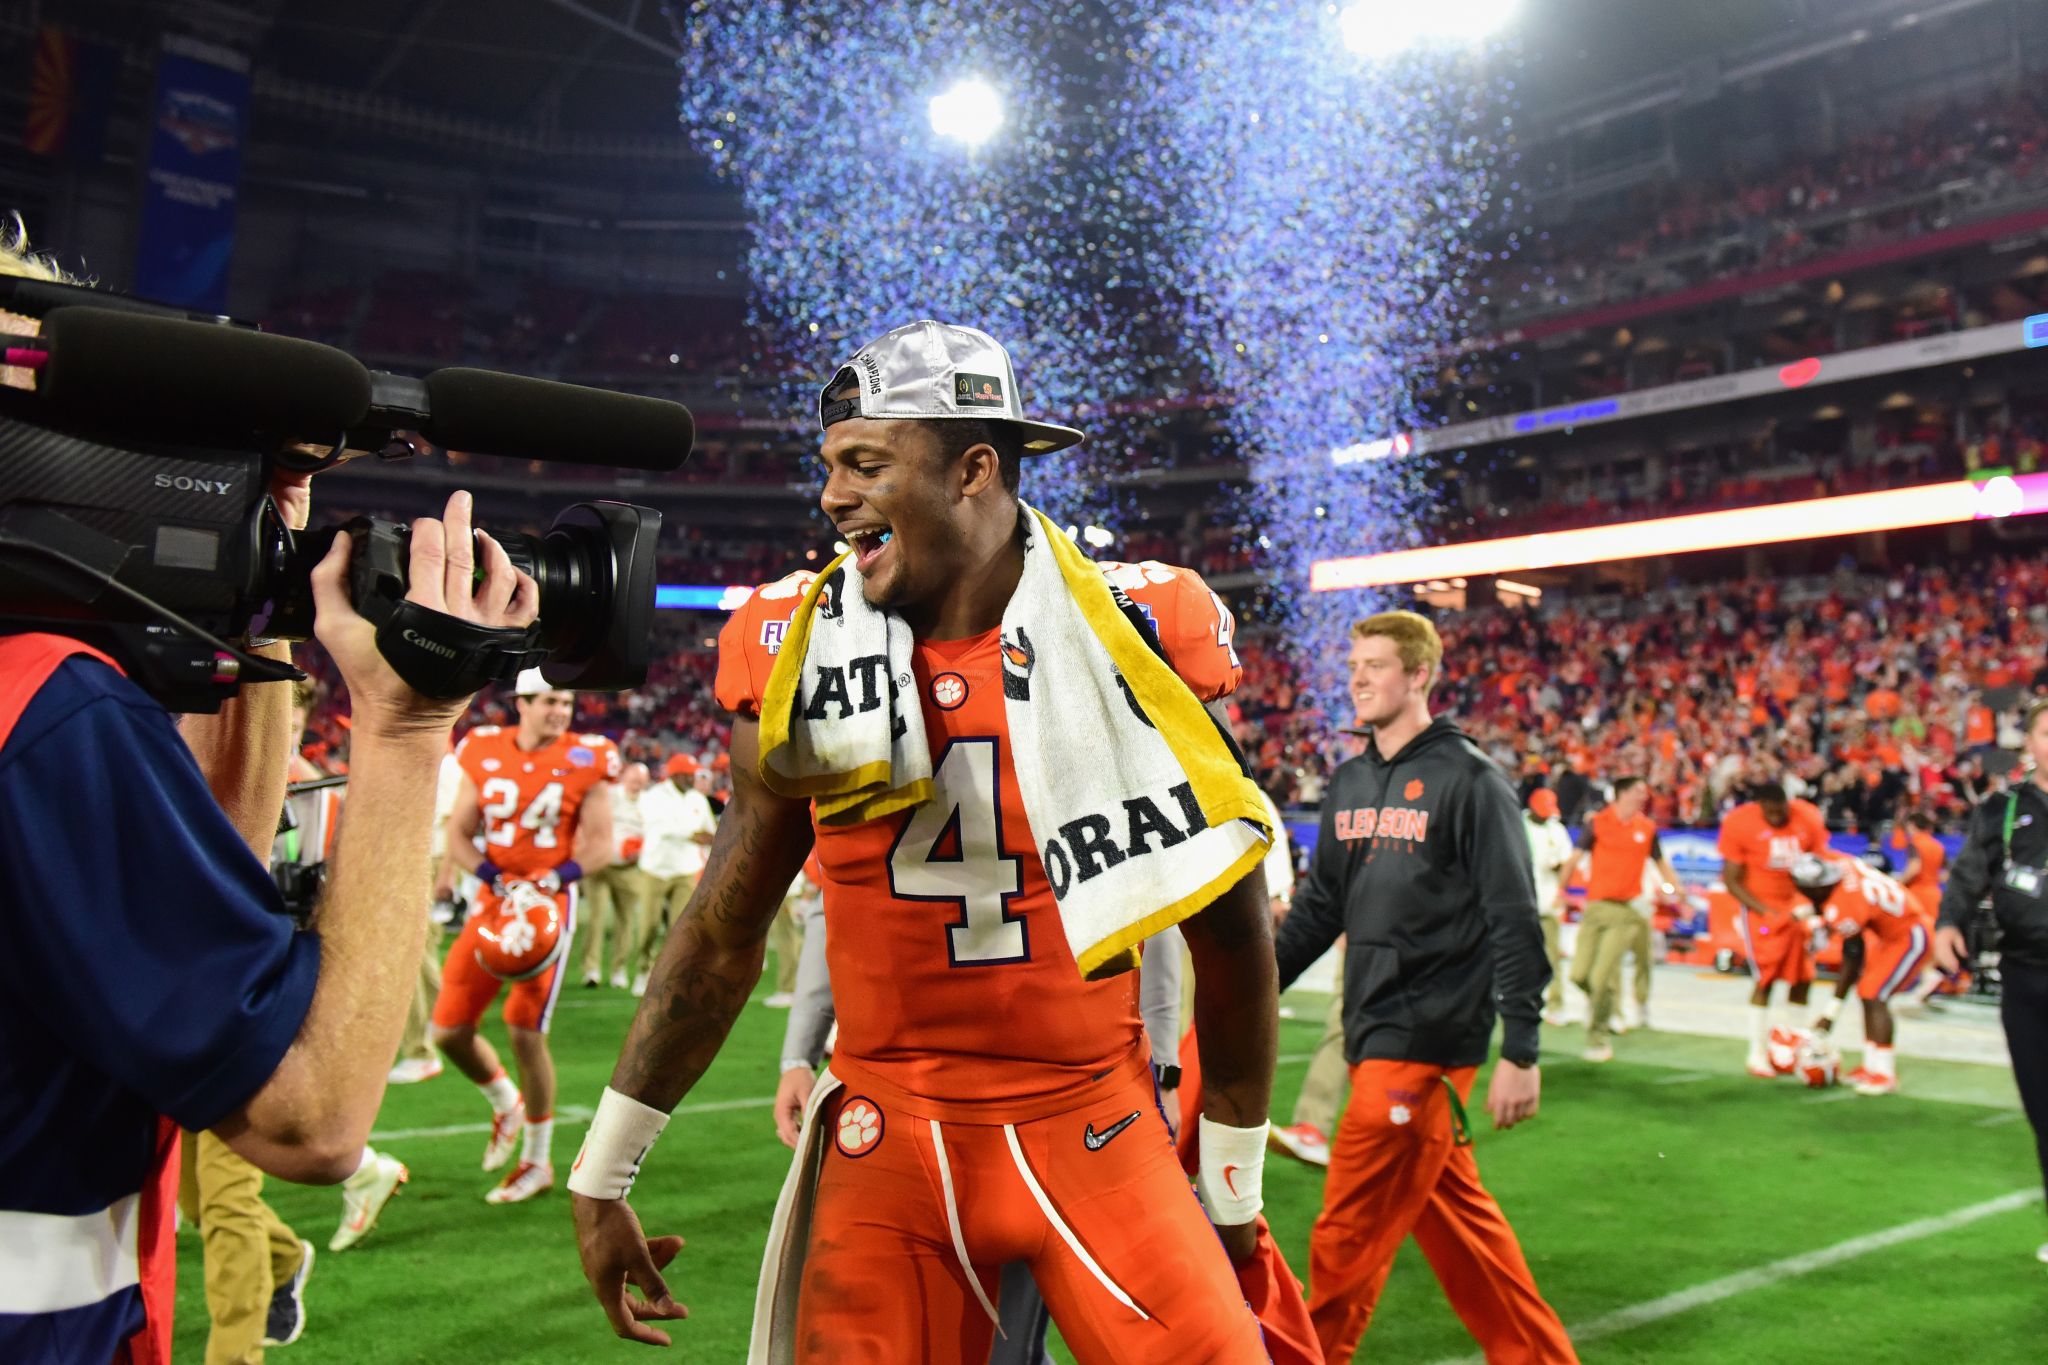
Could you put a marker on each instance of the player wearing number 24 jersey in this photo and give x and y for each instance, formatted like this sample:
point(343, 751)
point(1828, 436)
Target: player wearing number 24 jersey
point(533, 800)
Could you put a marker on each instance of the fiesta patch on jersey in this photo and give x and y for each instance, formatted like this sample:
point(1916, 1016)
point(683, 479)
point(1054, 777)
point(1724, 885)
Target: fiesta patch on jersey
point(580, 757)
point(860, 1126)
point(948, 691)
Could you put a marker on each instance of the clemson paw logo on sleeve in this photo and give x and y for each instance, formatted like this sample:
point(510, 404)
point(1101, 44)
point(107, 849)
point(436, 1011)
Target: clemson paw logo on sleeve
point(1413, 791)
point(860, 1126)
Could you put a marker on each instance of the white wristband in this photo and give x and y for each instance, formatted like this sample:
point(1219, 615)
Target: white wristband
point(622, 1132)
point(797, 1064)
point(1233, 1171)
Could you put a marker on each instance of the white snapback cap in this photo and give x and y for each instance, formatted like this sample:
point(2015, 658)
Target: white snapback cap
point(531, 684)
point(932, 371)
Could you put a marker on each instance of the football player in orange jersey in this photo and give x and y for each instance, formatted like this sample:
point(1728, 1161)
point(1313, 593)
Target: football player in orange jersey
point(997, 1108)
point(1760, 840)
point(1897, 928)
point(539, 796)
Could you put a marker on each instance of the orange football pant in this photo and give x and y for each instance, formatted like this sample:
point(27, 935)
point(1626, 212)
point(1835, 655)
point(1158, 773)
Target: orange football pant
point(467, 990)
point(1396, 1168)
point(883, 1282)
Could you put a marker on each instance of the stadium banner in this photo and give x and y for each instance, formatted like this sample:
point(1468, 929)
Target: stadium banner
point(1695, 853)
point(199, 119)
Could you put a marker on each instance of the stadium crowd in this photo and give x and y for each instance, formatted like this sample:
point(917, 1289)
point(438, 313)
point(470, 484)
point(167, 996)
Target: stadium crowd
point(1675, 234)
point(1866, 694)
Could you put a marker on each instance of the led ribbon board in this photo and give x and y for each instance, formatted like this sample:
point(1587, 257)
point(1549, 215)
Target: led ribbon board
point(1893, 509)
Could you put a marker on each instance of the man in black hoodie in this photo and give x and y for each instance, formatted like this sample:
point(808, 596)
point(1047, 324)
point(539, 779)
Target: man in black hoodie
point(1421, 864)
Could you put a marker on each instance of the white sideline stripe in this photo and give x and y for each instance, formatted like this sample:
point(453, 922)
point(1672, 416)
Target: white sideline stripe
point(567, 1116)
point(1833, 1096)
point(2009, 1116)
point(1791, 1268)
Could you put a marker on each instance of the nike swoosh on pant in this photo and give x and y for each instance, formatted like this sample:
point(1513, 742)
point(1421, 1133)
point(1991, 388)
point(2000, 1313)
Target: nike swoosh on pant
point(1095, 1141)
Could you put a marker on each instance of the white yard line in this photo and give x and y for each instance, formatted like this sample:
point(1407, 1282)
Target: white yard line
point(567, 1116)
point(1790, 1268)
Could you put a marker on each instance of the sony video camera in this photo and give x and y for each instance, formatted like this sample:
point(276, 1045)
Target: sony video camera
point(137, 444)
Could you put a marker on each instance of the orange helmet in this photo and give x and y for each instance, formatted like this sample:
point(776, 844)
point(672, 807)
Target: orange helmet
point(522, 937)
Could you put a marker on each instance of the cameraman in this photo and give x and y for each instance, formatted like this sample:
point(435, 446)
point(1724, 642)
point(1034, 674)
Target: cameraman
point(152, 980)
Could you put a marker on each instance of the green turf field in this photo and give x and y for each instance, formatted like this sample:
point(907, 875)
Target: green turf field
point(1663, 1171)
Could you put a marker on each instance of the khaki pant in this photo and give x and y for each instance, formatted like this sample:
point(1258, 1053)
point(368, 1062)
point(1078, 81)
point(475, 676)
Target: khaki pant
point(1321, 1100)
point(1605, 933)
point(661, 903)
point(1553, 948)
point(786, 940)
point(611, 911)
point(249, 1251)
point(1639, 943)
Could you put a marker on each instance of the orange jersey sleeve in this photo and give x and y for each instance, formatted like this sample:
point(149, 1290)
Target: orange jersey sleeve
point(1738, 831)
point(750, 640)
point(1195, 628)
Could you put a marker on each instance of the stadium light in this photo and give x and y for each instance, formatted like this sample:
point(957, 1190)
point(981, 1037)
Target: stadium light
point(969, 111)
point(1895, 509)
point(1379, 29)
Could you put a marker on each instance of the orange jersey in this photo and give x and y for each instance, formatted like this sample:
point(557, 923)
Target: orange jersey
point(1871, 903)
point(1767, 853)
point(529, 798)
point(1620, 849)
point(951, 974)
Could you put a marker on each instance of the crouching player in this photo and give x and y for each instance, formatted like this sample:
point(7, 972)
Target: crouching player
point(1896, 928)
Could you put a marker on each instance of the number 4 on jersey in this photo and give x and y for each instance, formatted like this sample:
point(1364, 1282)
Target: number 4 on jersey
point(951, 850)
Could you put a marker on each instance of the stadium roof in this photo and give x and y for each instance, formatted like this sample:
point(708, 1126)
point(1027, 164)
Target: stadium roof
point(533, 77)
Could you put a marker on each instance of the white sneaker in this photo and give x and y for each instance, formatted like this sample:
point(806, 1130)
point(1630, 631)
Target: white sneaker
point(529, 1180)
point(591, 981)
point(1557, 1018)
point(1303, 1142)
point(2042, 1254)
point(1638, 1016)
point(781, 1000)
point(1618, 1025)
point(363, 1197)
point(640, 984)
point(505, 1132)
point(1599, 1052)
point(620, 981)
point(1760, 1067)
point(413, 1070)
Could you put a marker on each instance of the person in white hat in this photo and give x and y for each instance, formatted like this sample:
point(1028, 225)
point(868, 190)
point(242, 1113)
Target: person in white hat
point(970, 1044)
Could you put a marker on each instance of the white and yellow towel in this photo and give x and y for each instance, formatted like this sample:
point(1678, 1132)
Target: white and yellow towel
point(1142, 808)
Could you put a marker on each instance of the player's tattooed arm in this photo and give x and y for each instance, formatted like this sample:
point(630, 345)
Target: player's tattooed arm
point(713, 955)
point(1237, 1002)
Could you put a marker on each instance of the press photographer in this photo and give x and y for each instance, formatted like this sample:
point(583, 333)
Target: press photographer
point(148, 545)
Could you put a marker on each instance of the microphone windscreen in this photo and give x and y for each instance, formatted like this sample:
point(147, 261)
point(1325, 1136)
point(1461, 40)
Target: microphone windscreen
point(174, 379)
point(487, 413)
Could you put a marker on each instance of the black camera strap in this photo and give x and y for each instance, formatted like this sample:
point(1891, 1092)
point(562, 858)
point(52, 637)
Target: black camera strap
point(446, 657)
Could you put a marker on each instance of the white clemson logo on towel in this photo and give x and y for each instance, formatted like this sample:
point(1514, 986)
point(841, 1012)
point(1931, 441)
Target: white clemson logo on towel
point(860, 1126)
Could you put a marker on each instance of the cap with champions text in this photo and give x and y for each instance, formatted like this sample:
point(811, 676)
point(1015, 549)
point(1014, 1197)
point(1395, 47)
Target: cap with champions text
point(932, 371)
